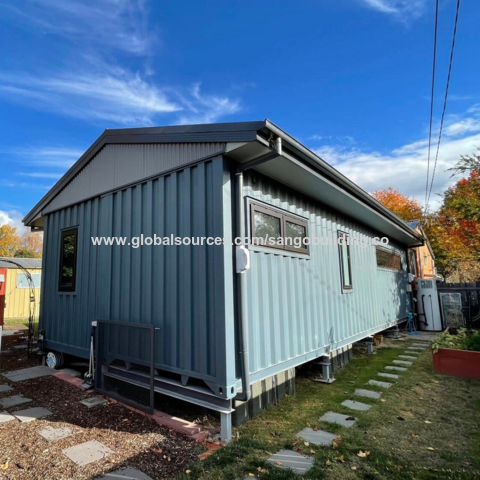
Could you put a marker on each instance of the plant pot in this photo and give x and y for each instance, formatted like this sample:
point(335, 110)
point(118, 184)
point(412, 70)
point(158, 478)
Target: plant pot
point(459, 363)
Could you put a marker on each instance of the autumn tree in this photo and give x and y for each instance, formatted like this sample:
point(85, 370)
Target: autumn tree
point(10, 241)
point(406, 208)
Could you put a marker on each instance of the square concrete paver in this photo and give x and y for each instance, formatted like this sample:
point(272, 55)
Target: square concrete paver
point(87, 452)
point(28, 373)
point(377, 383)
point(388, 375)
point(424, 345)
point(413, 352)
point(31, 414)
point(128, 473)
point(367, 393)
point(402, 362)
point(6, 417)
point(318, 437)
point(362, 407)
point(407, 357)
point(418, 349)
point(14, 400)
point(52, 434)
point(339, 419)
point(93, 401)
point(398, 369)
point(300, 464)
point(5, 388)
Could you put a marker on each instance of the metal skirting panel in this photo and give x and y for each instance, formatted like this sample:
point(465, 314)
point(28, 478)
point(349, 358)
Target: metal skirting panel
point(296, 310)
point(184, 291)
point(117, 165)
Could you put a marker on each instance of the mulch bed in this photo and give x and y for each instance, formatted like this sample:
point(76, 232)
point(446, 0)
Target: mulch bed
point(137, 441)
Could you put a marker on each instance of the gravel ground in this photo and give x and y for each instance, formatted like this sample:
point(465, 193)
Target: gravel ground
point(136, 440)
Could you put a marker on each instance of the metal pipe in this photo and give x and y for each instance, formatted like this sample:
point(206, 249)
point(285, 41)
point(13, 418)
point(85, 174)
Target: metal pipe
point(245, 395)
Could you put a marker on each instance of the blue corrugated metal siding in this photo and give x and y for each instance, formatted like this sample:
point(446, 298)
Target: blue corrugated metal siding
point(185, 291)
point(295, 306)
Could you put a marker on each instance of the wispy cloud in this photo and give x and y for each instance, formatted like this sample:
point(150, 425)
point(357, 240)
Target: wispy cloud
point(113, 24)
point(115, 95)
point(54, 176)
point(56, 157)
point(24, 185)
point(400, 9)
point(405, 167)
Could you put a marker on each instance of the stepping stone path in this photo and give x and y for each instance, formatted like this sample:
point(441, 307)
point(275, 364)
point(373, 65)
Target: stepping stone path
point(317, 437)
point(128, 473)
point(402, 362)
point(52, 434)
point(29, 373)
point(423, 345)
point(6, 417)
point(367, 393)
point(87, 452)
point(14, 401)
point(339, 419)
point(31, 414)
point(300, 464)
point(388, 375)
point(419, 349)
point(362, 407)
point(5, 388)
point(398, 369)
point(93, 401)
point(407, 357)
point(377, 383)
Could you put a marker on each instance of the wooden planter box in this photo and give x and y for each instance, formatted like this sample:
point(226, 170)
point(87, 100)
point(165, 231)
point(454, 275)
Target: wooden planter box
point(459, 363)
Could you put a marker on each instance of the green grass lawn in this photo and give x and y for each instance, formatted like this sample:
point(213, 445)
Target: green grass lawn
point(426, 427)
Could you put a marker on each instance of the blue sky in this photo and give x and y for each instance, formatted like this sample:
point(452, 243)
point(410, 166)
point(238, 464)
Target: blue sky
point(348, 78)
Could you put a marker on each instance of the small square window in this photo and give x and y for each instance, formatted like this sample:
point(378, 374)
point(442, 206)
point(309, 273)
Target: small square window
point(68, 260)
point(345, 263)
point(388, 259)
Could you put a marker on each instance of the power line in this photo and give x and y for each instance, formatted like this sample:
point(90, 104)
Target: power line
point(431, 99)
point(445, 99)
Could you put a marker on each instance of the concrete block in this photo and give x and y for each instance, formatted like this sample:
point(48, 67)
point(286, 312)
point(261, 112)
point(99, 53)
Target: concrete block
point(128, 473)
point(52, 434)
point(14, 400)
point(31, 414)
point(28, 373)
point(339, 419)
point(87, 452)
point(402, 362)
point(407, 357)
point(5, 388)
point(377, 383)
point(398, 369)
point(361, 407)
point(388, 375)
point(367, 393)
point(317, 437)
point(300, 464)
point(91, 402)
point(6, 417)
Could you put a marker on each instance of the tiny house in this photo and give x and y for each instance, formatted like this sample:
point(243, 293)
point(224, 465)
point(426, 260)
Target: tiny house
point(207, 321)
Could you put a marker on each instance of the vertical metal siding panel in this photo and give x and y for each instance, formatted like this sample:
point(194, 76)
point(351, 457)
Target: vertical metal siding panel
point(304, 297)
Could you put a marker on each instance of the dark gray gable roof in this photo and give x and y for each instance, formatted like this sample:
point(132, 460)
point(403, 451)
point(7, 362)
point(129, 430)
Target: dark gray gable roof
point(23, 262)
point(215, 132)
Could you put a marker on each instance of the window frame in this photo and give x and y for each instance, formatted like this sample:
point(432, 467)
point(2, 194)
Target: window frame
point(22, 274)
point(68, 288)
point(284, 217)
point(392, 252)
point(342, 234)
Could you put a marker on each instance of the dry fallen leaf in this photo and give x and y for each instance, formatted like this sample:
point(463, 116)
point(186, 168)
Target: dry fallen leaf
point(363, 454)
point(251, 474)
point(295, 441)
point(307, 444)
point(4, 466)
point(354, 467)
point(427, 421)
point(340, 459)
point(334, 444)
point(261, 470)
point(188, 472)
point(312, 452)
point(414, 435)
point(328, 462)
point(383, 400)
point(430, 448)
point(279, 463)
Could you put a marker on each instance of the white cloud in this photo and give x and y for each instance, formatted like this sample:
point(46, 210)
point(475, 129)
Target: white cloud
point(57, 157)
point(399, 9)
point(54, 176)
point(405, 168)
point(12, 218)
point(108, 24)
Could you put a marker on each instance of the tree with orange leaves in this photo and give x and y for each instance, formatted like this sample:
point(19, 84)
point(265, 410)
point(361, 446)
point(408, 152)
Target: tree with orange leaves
point(406, 208)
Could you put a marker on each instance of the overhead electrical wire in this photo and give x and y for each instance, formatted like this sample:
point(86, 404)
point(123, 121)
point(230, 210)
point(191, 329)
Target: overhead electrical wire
point(444, 100)
point(431, 98)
